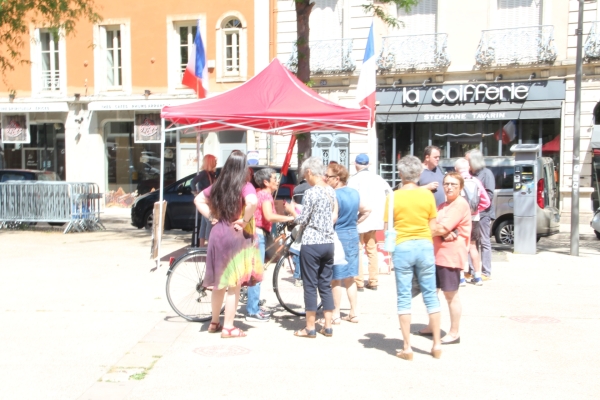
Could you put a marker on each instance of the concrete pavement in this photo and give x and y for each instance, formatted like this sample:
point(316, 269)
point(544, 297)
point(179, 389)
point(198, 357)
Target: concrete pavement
point(83, 318)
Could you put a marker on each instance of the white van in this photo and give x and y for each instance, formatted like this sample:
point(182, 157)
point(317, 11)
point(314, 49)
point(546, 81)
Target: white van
point(548, 214)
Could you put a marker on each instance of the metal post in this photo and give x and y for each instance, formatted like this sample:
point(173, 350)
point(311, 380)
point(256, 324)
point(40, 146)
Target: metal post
point(162, 188)
point(394, 156)
point(576, 128)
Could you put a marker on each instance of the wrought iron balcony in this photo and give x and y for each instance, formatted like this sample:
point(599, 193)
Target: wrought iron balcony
point(526, 45)
point(50, 80)
point(591, 48)
point(327, 57)
point(413, 52)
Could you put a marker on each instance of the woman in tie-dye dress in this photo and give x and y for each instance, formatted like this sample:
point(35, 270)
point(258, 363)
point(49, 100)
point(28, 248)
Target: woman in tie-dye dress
point(232, 258)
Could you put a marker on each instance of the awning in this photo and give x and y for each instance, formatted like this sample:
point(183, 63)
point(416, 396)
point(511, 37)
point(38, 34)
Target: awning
point(50, 106)
point(544, 109)
point(596, 137)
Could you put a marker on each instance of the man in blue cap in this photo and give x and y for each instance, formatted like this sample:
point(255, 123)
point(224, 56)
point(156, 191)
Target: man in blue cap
point(373, 191)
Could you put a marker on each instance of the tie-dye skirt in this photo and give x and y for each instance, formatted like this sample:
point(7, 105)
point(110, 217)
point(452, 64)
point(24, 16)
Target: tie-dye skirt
point(232, 257)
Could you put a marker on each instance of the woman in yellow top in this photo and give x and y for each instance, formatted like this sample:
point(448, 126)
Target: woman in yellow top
point(414, 219)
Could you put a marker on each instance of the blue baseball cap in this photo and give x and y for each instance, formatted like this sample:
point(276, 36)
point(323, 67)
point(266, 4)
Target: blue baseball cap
point(362, 159)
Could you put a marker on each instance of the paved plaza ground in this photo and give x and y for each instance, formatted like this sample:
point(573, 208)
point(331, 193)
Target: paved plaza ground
point(83, 316)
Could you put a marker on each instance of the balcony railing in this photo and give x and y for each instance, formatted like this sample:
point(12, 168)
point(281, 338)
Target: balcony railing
point(526, 45)
point(413, 52)
point(327, 57)
point(50, 80)
point(591, 48)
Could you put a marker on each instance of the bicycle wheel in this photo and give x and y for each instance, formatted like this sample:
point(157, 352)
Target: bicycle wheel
point(289, 292)
point(185, 291)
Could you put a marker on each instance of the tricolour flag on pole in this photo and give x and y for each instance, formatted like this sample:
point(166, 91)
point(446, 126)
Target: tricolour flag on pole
point(365, 90)
point(196, 72)
point(508, 133)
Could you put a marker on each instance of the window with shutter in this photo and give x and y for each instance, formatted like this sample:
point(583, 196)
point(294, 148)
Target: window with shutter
point(326, 20)
point(518, 13)
point(421, 19)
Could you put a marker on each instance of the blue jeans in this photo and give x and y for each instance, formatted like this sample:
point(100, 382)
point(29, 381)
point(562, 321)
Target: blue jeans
point(254, 291)
point(296, 259)
point(415, 257)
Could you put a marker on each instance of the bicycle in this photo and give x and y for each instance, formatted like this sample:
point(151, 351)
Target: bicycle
point(186, 293)
point(287, 282)
point(188, 297)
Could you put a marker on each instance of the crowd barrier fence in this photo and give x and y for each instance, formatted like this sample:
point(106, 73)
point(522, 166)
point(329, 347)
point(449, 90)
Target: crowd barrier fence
point(76, 204)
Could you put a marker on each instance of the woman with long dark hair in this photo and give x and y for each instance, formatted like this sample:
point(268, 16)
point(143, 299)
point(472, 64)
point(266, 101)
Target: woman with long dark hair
point(204, 179)
point(232, 258)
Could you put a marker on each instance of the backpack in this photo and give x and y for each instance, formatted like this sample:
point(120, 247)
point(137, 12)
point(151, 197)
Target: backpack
point(470, 193)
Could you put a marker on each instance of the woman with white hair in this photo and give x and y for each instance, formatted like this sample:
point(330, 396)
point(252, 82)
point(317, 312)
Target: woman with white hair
point(319, 213)
point(414, 214)
point(486, 177)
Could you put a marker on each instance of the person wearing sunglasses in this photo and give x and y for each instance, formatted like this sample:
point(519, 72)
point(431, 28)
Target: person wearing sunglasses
point(451, 239)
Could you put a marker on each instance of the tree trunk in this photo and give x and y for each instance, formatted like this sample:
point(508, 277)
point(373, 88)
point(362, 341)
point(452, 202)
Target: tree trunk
point(303, 10)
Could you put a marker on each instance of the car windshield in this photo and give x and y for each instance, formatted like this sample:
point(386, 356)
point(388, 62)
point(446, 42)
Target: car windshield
point(12, 177)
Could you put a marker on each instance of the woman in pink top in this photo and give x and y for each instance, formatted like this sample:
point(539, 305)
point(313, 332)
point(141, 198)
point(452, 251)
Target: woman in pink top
point(451, 237)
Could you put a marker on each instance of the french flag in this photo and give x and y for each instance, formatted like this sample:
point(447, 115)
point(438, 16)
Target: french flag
point(365, 90)
point(196, 71)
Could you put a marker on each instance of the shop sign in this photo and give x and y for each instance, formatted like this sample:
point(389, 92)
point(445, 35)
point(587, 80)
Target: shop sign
point(15, 129)
point(34, 107)
point(469, 116)
point(147, 128)
point(469, 93)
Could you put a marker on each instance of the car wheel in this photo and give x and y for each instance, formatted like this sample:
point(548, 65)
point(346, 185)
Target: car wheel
point(505, 232)
point(597, 234)
point(148, 220)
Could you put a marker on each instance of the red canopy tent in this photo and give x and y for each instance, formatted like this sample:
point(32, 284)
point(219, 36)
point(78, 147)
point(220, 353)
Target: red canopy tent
point(274, 102)
point(552, 146)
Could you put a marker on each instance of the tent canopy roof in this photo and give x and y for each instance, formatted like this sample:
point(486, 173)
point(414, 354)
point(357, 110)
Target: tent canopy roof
point(274, 101)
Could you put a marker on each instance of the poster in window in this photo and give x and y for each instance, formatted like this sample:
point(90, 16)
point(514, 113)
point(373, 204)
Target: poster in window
point(15, 129)
point(147, 128)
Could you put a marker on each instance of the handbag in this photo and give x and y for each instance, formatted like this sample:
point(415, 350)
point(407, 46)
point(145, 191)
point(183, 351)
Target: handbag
point(339, 255)
point(297, 236)
point(389, 244)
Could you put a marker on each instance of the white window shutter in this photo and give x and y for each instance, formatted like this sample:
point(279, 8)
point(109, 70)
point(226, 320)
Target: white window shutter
point(101, 63)
point(126, 58)
point(518, 13)
point(326, 20)
point(421, 19)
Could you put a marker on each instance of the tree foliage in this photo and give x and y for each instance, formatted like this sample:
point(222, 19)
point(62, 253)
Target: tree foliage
point(16, 17)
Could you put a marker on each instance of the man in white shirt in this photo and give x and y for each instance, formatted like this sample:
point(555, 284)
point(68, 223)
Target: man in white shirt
point(373, 191)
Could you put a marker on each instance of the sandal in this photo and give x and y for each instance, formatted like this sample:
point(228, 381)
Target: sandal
point(351, 318)
point(326, 332)
point(217, 327)
point(238, 333)
point(306, 333)
point(334, 321)
point(405, 356)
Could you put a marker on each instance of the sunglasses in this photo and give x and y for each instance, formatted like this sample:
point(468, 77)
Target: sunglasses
point(330, 176)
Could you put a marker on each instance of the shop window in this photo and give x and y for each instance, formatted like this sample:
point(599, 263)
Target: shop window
point(331, 146)
point(134, 166)
point(45, 151)
point(232, 49)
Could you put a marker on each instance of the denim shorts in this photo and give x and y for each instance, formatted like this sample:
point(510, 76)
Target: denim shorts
point(349, 239)
point(415, 257)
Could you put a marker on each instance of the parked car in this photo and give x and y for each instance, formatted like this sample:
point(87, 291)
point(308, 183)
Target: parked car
point(595, 223)
point(180, 207)
point(27, 175)
point(181, 213)
point(548, 214)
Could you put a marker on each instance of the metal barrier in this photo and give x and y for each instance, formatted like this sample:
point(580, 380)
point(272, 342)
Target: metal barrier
point(74, 203)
